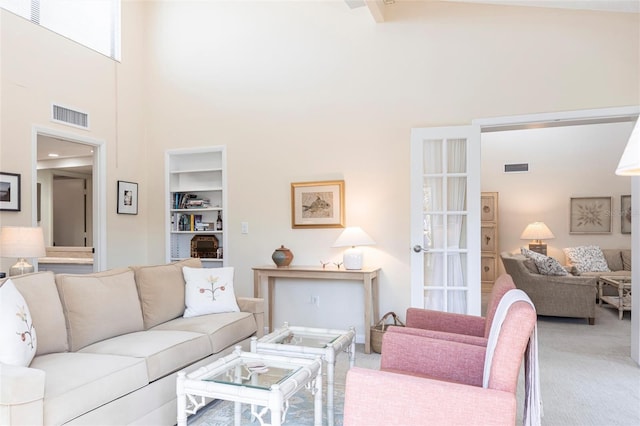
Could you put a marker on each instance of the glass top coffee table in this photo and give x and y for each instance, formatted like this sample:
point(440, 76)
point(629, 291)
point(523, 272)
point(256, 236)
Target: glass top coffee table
point(310, 343)
point(262, 380)
point(623, 300)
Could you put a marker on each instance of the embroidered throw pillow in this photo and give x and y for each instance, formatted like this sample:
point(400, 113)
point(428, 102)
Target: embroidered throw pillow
point(18, 342)
point(546, 265)
point(587, 259)
point(209, 291)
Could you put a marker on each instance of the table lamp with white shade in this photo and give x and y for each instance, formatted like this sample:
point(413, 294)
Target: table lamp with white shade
point(536, 232)
point(353, 237)
point(22, 243)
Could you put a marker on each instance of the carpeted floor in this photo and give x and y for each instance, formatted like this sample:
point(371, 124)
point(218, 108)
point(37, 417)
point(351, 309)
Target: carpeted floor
point(587, 377)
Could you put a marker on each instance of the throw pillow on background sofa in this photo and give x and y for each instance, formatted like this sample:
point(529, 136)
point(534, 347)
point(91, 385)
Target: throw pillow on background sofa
point(586, 259)
point(546, 265)
point(209, 291)
point(18, 342)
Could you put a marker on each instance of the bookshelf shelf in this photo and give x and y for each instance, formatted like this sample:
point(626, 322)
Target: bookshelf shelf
point(196, 198)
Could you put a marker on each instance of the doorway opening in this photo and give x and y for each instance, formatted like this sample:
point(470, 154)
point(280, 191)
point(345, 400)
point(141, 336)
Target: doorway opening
point(69, 194)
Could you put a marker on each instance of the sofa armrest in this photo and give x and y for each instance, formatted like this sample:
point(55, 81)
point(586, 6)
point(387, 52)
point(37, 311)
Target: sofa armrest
point(21, 395)
point(423, 356)
point(445, 321)
point(375, 398)
point(255, 306)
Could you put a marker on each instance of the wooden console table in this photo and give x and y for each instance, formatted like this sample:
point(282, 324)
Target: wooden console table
point(367, 276)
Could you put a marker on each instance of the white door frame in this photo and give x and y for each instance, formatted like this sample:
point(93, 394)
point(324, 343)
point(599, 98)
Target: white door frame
point(99, 187)
point(579, 117)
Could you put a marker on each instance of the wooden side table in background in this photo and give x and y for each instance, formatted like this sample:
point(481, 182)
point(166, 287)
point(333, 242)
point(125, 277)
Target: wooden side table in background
point(367, 276)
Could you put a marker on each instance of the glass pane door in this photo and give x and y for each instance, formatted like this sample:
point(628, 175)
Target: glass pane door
point(445, 234)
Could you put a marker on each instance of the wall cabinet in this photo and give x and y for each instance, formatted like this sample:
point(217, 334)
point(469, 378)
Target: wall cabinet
point(489, 244)
point(196, 204)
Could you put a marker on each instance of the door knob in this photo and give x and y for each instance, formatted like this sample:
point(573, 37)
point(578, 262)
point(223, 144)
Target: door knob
point(418, 248)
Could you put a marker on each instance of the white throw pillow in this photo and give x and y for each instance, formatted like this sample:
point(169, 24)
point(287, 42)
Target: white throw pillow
point(587, 259)
point(209, 291)
point(545, 264)
point(18, 343)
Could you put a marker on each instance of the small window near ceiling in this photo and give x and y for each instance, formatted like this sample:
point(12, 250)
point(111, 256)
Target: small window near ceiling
point(93, 23)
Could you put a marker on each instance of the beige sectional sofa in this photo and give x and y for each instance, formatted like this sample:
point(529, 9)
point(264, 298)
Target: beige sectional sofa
point(110, 344)
point(560, 296)
point(618, 261)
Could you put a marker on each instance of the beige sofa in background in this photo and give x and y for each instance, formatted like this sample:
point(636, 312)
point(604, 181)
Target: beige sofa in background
point(559, 296)
point(110, 344)
point(618, 260)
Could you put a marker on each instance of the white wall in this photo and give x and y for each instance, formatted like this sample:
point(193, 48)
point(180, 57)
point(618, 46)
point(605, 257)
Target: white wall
point(564, 162)
point(303, 91)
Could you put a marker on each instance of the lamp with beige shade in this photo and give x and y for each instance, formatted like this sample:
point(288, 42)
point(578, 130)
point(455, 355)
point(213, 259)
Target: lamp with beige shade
point(536, 232)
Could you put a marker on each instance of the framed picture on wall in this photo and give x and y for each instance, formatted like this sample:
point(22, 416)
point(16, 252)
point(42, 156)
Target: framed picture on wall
point(317, 204)
point(625, 214)
point(10, 191)
point(488, 206)
point(590, 215)
point(127, 197)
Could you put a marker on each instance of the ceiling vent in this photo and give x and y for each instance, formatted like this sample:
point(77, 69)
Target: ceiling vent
point(516, 168)
point(71, 117)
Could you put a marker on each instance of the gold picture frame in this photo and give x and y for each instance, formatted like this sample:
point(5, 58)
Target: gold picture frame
point(317, 204)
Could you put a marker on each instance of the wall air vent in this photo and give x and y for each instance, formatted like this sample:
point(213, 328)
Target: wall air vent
point(516, 168)
point(71, 117)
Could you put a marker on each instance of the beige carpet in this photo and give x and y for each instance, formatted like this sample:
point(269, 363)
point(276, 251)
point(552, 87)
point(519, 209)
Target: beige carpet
point(587, 376)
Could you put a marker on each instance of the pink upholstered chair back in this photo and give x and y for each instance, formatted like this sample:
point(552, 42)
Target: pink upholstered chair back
point(503, 284)
point(512, 343)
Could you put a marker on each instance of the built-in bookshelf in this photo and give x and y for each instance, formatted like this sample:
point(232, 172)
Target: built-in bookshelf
point(196, 203)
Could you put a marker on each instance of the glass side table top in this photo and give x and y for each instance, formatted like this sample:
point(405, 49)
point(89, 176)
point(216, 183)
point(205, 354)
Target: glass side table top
point(252, 373)
point(318, 338)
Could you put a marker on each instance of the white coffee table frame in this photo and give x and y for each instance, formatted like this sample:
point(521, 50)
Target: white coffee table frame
point(344, 342)
point(192, 388)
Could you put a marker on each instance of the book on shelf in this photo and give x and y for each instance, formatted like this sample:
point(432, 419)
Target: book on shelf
point(185, 200)
point(189, 222)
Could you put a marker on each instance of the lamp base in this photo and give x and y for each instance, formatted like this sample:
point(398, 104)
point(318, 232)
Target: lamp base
point(22, 267)
point(538, 248)
point(352, 258)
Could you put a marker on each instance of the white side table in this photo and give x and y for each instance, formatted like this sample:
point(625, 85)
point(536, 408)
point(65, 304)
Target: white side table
point(251, 378)
point(310, 343)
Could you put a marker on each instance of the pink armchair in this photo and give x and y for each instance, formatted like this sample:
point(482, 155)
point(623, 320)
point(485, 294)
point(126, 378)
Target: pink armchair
point(456, 327)
point(426, 380)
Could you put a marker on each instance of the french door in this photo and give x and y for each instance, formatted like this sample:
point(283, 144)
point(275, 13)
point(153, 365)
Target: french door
point(445, 219)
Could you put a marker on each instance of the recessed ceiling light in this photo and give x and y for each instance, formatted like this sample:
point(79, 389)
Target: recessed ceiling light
point(53, 154)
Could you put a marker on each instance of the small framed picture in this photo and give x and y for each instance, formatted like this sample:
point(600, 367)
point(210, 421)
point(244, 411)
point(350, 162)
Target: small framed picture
point(488, 233)
point(127, 197)
point(10, 191)
point(317, 204)
point(625, 214)
point(590, 215)
point(488, 205)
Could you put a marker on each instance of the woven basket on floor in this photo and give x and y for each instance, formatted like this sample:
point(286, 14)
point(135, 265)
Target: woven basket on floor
point(378, 330)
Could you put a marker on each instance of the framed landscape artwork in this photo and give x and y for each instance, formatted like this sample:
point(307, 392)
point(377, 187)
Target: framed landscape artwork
point(317, 204)
point(590, 215)
point(625, 214)
point(10, 191)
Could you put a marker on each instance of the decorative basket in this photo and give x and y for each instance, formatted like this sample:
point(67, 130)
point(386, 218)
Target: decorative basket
point(378, 330)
